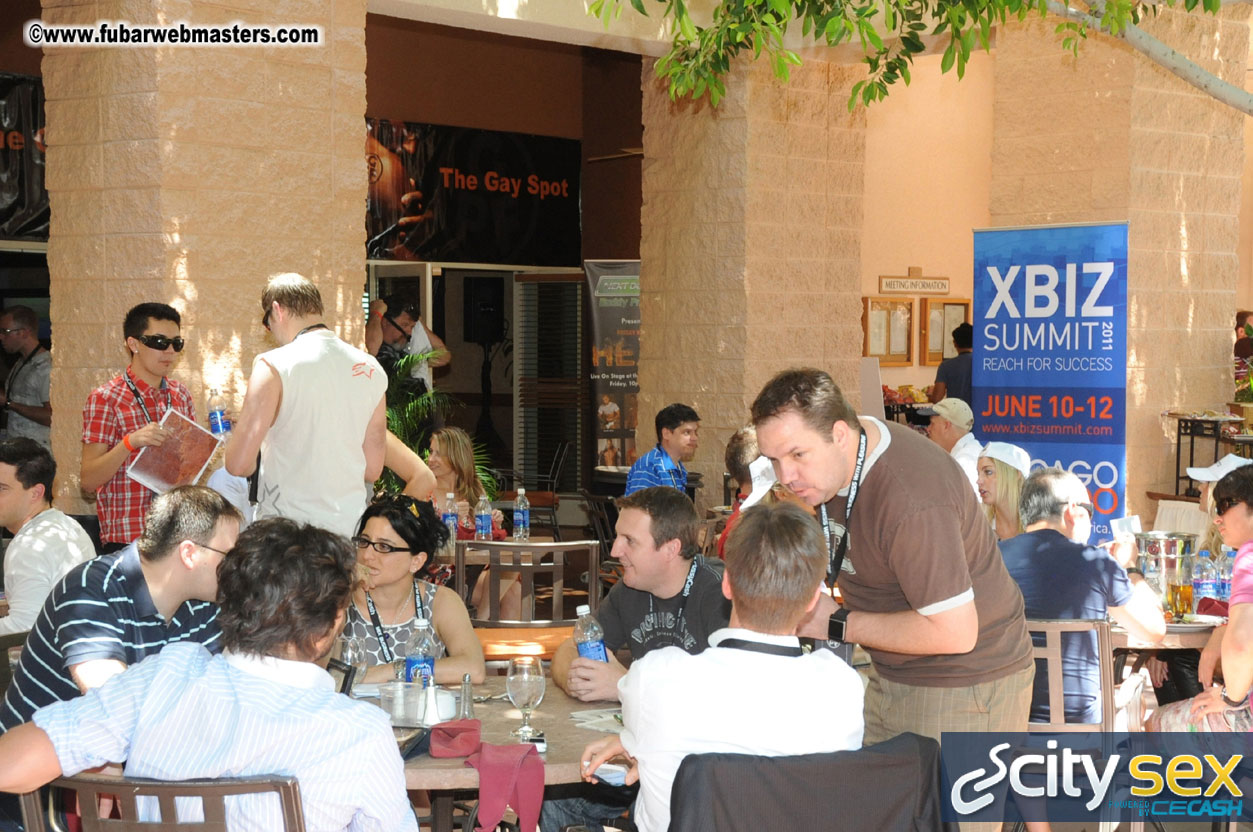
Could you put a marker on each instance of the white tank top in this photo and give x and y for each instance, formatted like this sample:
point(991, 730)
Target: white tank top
point(312, 462)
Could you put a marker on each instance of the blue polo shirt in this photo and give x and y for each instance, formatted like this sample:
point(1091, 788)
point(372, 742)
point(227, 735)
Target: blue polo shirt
point(100, 610)
point(656, 468)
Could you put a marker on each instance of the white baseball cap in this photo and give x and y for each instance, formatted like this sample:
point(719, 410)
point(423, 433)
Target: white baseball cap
point(955, 410)
point(1219, 469)
point(1012, 455)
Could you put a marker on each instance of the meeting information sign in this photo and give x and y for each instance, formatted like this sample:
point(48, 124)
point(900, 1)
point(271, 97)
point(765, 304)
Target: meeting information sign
point(1050, 351)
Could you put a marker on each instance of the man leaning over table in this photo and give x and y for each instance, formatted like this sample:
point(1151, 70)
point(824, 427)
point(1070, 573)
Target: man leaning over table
point(669, 596)
point(925, 589)
point(263, 706)
point(675, 704)
point(113, 611)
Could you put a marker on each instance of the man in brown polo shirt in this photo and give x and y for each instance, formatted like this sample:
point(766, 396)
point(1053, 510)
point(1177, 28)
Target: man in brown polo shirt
point(925, 589)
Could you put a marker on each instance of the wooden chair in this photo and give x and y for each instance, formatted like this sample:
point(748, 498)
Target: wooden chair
point(527, 560)
point(212, 796)
point(707, 536)
point(6, 670)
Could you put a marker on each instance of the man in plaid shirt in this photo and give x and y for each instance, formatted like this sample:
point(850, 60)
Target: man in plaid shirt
point(123, 415)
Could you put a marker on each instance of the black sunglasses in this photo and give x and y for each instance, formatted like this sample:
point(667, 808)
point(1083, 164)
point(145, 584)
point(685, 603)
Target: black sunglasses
point(265, 319)
point(1224, 505)
point(160, 343)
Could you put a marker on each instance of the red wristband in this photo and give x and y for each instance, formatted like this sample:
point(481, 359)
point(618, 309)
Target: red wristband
point(126, 441)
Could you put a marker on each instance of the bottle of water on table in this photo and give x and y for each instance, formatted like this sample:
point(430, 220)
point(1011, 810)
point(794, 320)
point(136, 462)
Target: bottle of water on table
point(522, 517)
point(1205, 581)
point(420, 655)
point(450, 516)
point(589, 638)
point(483, 519)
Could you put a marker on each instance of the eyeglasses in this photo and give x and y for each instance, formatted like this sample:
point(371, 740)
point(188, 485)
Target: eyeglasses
point(160, 343)
point(12, 330)
point(1224, 505)
point(363, 542)
point(210, 548)
point(1088, 507)
point(265, 319)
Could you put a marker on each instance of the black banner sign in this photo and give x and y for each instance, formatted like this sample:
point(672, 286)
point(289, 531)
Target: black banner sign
point(23, 200)
point(459, 195)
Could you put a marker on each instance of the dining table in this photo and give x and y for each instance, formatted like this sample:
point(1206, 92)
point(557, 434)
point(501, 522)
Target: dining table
point(443, 777)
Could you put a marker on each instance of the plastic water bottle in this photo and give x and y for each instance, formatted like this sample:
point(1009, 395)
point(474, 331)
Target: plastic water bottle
point(522, 517)
point(450, 515)
point(589, 638)
point(1205, 581)
point(483, 519)
point(420, 655)
point(219, 424)
point(1225, 569)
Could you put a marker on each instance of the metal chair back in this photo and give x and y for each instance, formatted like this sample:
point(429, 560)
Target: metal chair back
point(528, 560)
point(1051, 654)
point(125, 791)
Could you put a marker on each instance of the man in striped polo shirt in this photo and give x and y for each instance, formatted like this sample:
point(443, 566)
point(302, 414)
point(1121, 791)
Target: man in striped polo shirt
point(114, 610)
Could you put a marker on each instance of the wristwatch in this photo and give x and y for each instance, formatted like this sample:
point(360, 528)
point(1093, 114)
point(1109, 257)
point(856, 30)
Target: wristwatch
point(1234, 703)
point(1135, 570)
point(836, 625)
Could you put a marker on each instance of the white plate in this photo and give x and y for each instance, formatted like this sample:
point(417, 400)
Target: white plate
point(1189, 628)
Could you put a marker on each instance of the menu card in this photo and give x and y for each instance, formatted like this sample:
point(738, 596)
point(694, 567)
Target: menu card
point(180, 460)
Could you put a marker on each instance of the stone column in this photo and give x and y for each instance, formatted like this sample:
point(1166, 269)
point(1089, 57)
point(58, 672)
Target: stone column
point(187, 175)
point(750, 247)
point(1111, 136)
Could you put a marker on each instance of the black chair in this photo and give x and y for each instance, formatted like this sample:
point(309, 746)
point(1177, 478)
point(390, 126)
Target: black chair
point(6, 670)
point(893, 785)
point(601, 512)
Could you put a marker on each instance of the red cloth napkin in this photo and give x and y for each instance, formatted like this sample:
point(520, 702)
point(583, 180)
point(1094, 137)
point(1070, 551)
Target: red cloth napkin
point(1211, 606)
point(509, 775)
point(456, 738)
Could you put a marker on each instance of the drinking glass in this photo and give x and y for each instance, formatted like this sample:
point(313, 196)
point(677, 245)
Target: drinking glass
point(525, 686)
point(352, 653)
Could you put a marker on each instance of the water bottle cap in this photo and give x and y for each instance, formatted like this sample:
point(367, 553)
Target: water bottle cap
point(521, 491)
point(450, 496)
point(583, 609)
point(419, 623)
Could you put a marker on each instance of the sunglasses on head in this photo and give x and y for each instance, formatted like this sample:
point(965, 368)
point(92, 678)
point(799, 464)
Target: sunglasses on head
point(1224, 505)
point(160, 342)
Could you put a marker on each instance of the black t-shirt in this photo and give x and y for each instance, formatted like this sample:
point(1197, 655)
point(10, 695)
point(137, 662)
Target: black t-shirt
point(642, 622)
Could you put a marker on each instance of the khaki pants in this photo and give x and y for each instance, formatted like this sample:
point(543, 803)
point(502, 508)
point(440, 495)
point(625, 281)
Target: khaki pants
point(999, 705)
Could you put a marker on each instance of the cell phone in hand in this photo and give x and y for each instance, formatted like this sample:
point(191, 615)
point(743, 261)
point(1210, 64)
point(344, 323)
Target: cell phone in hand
point(611, 774)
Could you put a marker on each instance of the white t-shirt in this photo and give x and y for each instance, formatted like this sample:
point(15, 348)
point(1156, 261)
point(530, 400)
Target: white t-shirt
point(736, 701)
point(42, 551)
point(419, 343)
point(312, 458)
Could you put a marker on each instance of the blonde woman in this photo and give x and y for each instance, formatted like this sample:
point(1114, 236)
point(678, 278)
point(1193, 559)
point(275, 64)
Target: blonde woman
point(1001, 469)
point(451, 460)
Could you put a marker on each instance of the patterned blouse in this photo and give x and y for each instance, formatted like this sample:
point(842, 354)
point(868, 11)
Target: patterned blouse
point(360, 627)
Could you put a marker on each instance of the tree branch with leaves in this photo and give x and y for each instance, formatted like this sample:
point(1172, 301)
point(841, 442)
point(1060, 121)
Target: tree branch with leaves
point(890, 33)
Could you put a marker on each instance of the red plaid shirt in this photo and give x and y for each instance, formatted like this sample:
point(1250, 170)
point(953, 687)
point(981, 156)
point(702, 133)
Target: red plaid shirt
point(111, 413)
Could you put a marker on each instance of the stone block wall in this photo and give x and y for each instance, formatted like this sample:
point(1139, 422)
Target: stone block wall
point(1110, 136)
point(751, 245)
point(187, 176)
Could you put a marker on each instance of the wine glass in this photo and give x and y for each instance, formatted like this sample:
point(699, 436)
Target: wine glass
point(525, 686)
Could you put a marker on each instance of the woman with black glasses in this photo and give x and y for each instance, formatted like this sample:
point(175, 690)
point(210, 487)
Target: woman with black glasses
point(1226, 666)
point(394, 540)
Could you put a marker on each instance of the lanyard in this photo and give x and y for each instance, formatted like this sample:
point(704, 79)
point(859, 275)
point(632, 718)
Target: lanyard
point(838, 552)
point(687, 590)
point(139, 398)
point(310, 328)
point(382, 636)
point(17, 368)
point(674, 480)
point(759, 647)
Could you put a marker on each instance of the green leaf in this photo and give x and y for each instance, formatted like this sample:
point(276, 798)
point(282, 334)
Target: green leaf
point(638, 5)
point(873, 37)
point(950, 55)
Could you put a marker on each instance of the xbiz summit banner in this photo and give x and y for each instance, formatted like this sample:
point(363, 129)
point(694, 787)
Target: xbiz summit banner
point(1050, 366)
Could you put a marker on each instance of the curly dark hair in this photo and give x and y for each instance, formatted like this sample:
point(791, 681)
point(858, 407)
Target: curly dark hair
point(282, 587)
point(414, 521)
